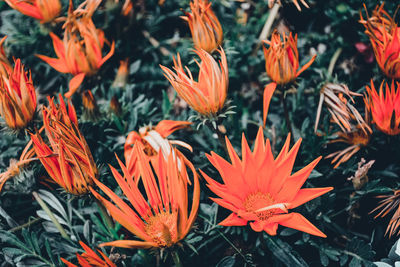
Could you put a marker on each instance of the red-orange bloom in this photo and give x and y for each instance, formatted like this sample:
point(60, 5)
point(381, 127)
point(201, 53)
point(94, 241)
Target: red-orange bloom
point(260, 189)
point(42, 10)
point(153, 140)
point(90, 259)
point(162, 219)
point(80, 53)
point(207, 95)
point(67, 160)
point(384, 35)
point(17, 96)
point(384, 108)
point(206, 30)
point(282, 58)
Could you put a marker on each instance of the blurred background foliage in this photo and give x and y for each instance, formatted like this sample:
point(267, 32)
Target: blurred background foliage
point(151, 36)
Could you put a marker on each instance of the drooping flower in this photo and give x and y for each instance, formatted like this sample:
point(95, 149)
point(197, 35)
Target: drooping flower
point(17, 97)
point(80, 53)
point(295, 2)
point(154, 140)
point(90, 259)
point(90, 109)
point(281, 64)
point(43, 10)
point(260, 189)
point(384, 35)
point(388, 204)
point(206, 30)
point(161, 219)
point(282, 58)
point(384, 107)
point(206, 96)
point(67, 159)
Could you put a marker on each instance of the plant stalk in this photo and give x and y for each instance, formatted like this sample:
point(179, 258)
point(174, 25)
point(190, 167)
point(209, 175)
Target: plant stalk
point(287, 117)
point(44, 206)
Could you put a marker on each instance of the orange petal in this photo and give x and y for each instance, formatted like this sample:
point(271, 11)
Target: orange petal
point(233, 220)
point(129, 244)
point(308, 194)
point(74, 84)
point(298, 222)
point(268, 93)
point(306, 65)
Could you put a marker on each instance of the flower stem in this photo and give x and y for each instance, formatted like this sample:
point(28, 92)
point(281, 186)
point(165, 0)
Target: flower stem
point(333, 62)
point(176, 258)
point(44, 206)
point(287, 117)
point(221, 136)
point(27, 224)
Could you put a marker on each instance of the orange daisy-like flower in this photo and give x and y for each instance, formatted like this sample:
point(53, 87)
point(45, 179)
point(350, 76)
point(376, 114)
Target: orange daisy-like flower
point(206, 96)
point(260, 189)
point(80, 53)
point(17, 97)
point(162, 219)
point(90, 259)
point(281, 64)
point(42, 10)
point(153, 140)
point(384, 35)
point(206, 30)
point(67, 160)
point(384, 108)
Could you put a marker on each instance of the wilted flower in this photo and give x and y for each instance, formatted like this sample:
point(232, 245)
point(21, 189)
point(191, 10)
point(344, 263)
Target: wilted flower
point(122, 74)
point(384, 107)
point(388, 204)
point(341, 110)
point(360, 177)
point(295, 2)
point(67, 160)
point(206, 30)
point(42, 10)
point(162, 218)
point(80, 53)
point(91, 110)
point(207, 95)
point(384, 35)
point(357, 136)
point(153, 140)
point(260, 189)
point(282, 58)
point(17, 97)
point(90, 259)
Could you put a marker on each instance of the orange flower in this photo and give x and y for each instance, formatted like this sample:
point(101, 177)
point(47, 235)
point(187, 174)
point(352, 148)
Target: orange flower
point(282, 58)
point(153, 140)
point(3, 58)
point(384, 35)
point(260, 189)
point(67, 160)
point(42, 10)
point(17, 97)
point(207, 96)
point(162, 219)
point(91, 110)
point(80, 51)
point(122, 74)
point(90, 259)
point(206, 30)
point(384, 108)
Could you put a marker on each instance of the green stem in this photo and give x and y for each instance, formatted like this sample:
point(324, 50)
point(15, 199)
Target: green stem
point(221, 137)
point(287, 116)
point(22, 226)
point(44, 206)
point(105, 214)
point(176, 258)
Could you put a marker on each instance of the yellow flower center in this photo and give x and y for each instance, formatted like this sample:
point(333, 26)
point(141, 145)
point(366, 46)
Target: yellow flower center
point(258, 201)
point(163, 229)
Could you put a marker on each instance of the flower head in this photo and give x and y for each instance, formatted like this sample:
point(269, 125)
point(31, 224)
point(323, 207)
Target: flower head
point(17, 97)
point(162, 218)
point(384, 107)
point(91, 110)
point(80, 53)
point(388, 204)
point(122, 74)
point(207, 95)
point(282, 58)
point(260, 189)
point(90, 259)
point(67, 159)
point(206, 30)
point(153, 140)
point(42, 10)
point(384, 35)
